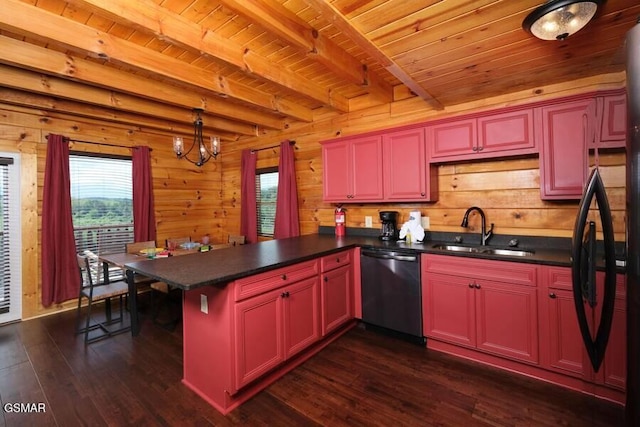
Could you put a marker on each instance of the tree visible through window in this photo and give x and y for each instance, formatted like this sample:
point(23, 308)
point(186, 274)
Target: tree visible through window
point(101, 202)
point(266, 194)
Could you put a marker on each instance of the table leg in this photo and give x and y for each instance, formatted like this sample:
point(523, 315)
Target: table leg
point(133, 304)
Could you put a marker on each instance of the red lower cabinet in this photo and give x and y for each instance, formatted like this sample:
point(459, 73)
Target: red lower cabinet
point(336, 290)
point(562, 346)
point(485, 305)
point(274, 326)
point(336, 298)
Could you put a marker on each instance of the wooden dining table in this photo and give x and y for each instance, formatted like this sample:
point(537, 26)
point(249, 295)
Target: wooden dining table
point(121, 259)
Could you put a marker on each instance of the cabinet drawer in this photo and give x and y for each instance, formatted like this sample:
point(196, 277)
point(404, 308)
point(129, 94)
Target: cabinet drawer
point(560, 278)
point(501, 271)
point(336, 260)
point(264, 282)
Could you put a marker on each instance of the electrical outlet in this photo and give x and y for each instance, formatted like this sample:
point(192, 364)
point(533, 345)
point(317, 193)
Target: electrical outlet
point(368, 221)
point(204, 305)
point(425, 222)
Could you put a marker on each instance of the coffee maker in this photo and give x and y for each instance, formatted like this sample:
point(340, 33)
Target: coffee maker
point(389, 229)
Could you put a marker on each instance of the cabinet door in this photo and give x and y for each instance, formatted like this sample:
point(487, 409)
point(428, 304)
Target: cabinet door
point(453, 139)
point(336, 298)
point(259, 336)
point(366, 169)
point(566, 130)
point(301, 315)
point(404, 163)
point(405, 166)
point(449, 309)
point(507, 133)
point(336, 181)
point(507, 320)
point(613, 121)
point(562, 344)
point(613, 372)
point(566, 353)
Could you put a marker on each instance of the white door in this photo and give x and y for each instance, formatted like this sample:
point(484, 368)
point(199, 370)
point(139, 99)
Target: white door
point(10, 243)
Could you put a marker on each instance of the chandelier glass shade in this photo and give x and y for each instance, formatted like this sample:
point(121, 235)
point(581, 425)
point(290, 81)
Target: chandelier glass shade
point(558, 19)
point(204, 152)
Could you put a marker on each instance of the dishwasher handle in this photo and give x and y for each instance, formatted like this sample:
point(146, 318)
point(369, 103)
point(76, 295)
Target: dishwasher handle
point(389, 255)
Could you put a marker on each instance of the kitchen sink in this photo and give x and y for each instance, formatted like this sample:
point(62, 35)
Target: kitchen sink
point(483, 250)
point(455, 248)
point(508, 252)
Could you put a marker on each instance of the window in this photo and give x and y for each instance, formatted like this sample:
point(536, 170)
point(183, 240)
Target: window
point(266, 193)
point(101, 202)
point(10, 246)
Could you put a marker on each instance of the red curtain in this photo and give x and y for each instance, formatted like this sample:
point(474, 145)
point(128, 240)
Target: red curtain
point(144, 217)
point(286, 221)
point(60, 277)
point(248, 205)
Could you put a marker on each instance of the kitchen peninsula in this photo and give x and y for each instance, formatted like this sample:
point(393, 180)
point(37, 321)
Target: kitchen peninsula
point(251, 313)
point(254, 312)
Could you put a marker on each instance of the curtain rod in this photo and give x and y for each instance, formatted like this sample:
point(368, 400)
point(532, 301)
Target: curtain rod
point(67, 139)
point(253, 150)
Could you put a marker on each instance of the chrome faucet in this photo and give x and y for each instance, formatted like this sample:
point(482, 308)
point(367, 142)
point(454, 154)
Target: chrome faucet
point(485, 235)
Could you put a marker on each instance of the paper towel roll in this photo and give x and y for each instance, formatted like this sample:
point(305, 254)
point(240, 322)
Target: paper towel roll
point(414, 217)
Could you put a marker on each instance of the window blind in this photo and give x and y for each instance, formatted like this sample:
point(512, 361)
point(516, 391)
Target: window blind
point(101, 203)
point(266, 194)
point(5, 270)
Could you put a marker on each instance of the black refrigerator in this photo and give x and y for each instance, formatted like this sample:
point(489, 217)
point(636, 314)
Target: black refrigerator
point(632, 409)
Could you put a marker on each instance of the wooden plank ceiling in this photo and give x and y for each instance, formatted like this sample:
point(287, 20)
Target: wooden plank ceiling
point(260, 65)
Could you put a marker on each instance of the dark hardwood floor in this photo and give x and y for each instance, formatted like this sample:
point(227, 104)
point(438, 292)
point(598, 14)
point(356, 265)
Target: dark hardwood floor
point(362, 379)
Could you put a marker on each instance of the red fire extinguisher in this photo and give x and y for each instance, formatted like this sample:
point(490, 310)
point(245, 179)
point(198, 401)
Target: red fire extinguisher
point(340, 221)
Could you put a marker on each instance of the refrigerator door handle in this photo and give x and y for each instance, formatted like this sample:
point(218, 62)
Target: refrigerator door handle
point(584, 259)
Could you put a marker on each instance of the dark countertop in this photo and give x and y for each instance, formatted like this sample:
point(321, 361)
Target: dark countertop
point(221, 266)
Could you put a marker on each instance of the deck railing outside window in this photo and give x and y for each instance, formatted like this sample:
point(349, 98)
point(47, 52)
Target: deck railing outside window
point(103, 239)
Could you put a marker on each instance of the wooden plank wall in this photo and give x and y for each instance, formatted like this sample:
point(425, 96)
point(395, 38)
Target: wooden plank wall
point(506, 189)
point(195, 202)
point(188, 199)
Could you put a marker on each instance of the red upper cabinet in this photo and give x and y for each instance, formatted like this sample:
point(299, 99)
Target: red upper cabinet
point(612, 112)
point(566, 130)
point(407, 174)
point(507, 133)
point(453, 140)
point(493, 135)
point(352, 169)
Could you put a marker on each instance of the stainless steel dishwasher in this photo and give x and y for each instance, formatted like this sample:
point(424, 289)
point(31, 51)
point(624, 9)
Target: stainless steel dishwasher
point(391, 293)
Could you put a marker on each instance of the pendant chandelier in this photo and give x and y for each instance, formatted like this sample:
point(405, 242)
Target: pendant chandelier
point(558, 19)
point(204, 152)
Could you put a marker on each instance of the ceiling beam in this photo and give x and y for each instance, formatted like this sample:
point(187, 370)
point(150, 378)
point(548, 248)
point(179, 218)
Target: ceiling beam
point(337, 19)
point(147, 16)
point(30, 21)
point(277, 19)
point(65, 89)
point(135, 122)
point(29, 56)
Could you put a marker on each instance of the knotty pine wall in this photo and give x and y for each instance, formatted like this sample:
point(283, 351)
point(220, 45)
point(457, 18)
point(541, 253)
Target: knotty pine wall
point(188, 199)
point(197, 201)
point(508, 190)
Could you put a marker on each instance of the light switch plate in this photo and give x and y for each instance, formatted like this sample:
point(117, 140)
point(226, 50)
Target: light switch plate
point(204, 305)
point(368, 221)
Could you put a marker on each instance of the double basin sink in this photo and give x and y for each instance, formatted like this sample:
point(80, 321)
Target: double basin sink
point(483, 250)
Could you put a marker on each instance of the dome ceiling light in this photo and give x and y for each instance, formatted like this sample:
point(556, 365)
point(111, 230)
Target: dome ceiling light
point(558, 19)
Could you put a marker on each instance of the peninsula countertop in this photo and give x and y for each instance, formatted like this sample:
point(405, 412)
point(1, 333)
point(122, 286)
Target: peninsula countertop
point(221, 266)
